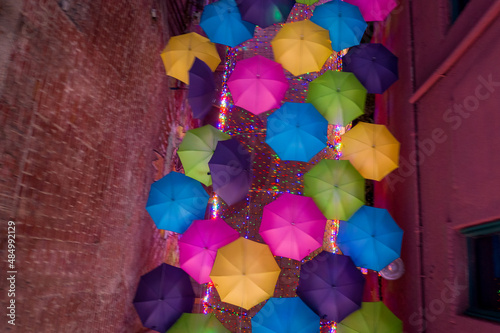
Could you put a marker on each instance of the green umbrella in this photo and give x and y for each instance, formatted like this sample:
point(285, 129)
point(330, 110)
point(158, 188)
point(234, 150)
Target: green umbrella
point(336, 187)
point(338, 96)
point(307, 2)
point(197, 148)
point(198, 323)
point(372, 317)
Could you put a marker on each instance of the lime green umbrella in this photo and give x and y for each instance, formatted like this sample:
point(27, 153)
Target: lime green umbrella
point(197, 148)
point(372, 317)
point(307, 2)
point(338, 96)
point(336, 187)
point(198, 323)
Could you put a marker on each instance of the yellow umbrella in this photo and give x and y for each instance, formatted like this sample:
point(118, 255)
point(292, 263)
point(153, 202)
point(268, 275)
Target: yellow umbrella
point(245, 273)
point(371, 149)
point(178, 56)
point(302, 47)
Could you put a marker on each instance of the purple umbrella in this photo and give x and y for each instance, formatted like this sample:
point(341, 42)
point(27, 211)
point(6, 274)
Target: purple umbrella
point(231, 171)
point(265, 12)
point(331, 285)
point(162, 295)
point(201, 88)
point(373, 65)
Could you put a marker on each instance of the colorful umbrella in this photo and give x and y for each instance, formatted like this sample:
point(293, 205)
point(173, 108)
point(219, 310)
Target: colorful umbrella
point(373, 317)
point(162, 295)
point(230, 167)
point(199, 244)
point(245, 273)
point(180, 52)
point(196, 150)
point(265, 12)
point(284, 315)
point(374, 10)
point(371, 149)
point(222, 23)
point(307, 2)
point(371, 238)
point(331, 285)
point(374, 66)
point(336, 187)
point(301, 47)
point(201, 89)
point(344, 22)
point(175, 201)
point(338, 96)
point(292, 226)
point(258, 84)
point(198, 323)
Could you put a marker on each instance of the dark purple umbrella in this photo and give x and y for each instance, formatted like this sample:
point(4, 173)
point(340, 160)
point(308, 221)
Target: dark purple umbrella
point(231, 171)
point(162, 295)
point(201, 92)
point(373, 65)
point(331, 285)
point(265, 12)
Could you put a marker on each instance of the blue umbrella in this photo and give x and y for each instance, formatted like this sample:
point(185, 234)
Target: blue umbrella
point(371, 238)
point(344, 22)
point(283, 315)
point(296, 131)
point(222, 23)
point(175, 201)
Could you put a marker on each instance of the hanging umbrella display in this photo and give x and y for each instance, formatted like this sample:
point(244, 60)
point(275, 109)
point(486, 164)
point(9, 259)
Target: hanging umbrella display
point(371, 238)
point(283, 315)
point(162, 295)
point(257, 84)
point(336, 187)
point(265, 12)
point(331, 285)
point(292, 226)
point(374, 66)
point(371, 149)
point(338, 96)
point(198, 323)
point(344, 22)
point(374, 10)
point(180, 52)
point(245, 273)
point(302, 47)
point(196, 150)
point(230, 167)
point(221, 21)
point(201, 91)
point(199, 244)
point(175, 201)
point(373, 317)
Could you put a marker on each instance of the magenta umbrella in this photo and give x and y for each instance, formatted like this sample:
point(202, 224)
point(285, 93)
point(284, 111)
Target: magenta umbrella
point(374, 10)
point(199, 244)
point(292, 226)
point(258, 84)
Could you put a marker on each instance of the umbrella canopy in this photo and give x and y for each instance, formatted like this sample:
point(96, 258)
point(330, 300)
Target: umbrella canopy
point(265, 12)
point(302, 47)
point(307, 2)
point(292, 226)
point(331, 285)
point(196, 150)
point(245, 273)
point(374, 66)
point(201, 89)
point(199, 244)
point(373, 317)
point(371, 149)
point(222, 23)
point(344, 22)
point(175, 201)
point(374, 10)
point(338, 96)
point(198, 323)
point(258, 84)
point(371, 237)
point(336, 187)
point(180, 52)
point(284, 315)
point(162, 295)
point(296, 131)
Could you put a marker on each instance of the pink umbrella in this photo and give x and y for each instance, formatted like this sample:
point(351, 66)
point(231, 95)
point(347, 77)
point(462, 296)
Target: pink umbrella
point(374, 10)
point(258, 84)
point(199, 244)
point(292, 226)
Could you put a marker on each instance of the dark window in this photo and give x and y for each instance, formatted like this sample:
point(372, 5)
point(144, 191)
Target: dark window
point(457, 6)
